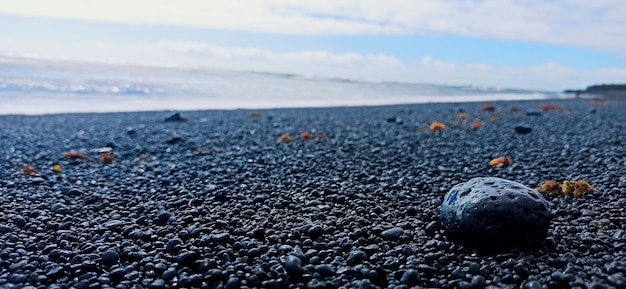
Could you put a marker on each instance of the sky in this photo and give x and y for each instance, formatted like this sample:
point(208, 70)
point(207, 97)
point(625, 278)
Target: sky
point(528, 44)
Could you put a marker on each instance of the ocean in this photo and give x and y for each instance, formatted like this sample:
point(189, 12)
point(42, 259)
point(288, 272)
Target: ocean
point(33, 86)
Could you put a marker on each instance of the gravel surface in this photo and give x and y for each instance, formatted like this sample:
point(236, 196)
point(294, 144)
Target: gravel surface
point(216, 201)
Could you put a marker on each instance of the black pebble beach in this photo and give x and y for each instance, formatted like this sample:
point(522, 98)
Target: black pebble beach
point(214, 200)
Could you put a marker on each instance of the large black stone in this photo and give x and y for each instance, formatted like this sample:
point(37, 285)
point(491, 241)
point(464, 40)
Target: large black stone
point(493, 214)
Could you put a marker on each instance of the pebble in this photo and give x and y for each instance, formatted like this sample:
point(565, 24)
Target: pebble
point(175, 140)
point(157, 284)
point(187, 257)
point(75, 192)
point(411, 211)
point(169, 274)
point(532, 284)
point(478, 281)
point(293, 265)
point(315, 232)
point(164, 216)
point(233, 283)
point(59, 208)
point(220, 237)
point(392, 234)
point(176, 117)
point(495, 214)
point(110, 256)
point(356, 256)
point(113, 224)
point(522, 129)
point(325, 270)
point(55, 272)
point(117, 274)
point(533, 112)
point(5, 229)
point(410, 277)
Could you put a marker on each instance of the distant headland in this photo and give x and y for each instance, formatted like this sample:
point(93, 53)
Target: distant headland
point(602, 90)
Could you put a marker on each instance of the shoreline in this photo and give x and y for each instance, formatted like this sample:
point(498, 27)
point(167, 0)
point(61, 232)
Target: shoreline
point(221, 200)
point(232, 107)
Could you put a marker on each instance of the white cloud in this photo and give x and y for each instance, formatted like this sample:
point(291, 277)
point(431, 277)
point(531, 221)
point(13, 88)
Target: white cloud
point(351, 65)
point(598, 23)
point(431, 63)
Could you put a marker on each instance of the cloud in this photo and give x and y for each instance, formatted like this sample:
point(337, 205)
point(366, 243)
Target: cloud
point(428, 62)
point(599, 24)
point(350, 65)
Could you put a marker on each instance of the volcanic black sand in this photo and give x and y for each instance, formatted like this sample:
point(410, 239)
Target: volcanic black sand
point(218, 202)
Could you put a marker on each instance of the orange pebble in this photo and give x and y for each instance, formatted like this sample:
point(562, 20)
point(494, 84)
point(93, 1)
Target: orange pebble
point(550, 187)
point(501, 161)
point(462, 115)
point(576, 188)
point(489, 107)
point(549, 107)
point(29, 170)
point(57, 168)
point(477, 124)
point(75, 155)
point(437, 126)
point(107, 158)
point(305, 135)
point(285, 138)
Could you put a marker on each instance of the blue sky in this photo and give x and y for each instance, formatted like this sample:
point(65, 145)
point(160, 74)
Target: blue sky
point(521, 44)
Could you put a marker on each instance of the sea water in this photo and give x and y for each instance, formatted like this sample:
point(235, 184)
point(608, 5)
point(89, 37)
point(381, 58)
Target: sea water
point(31, 86)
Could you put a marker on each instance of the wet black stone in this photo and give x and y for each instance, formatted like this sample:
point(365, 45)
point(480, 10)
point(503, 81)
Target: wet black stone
point(478, 282)
point(37, 180)
point(17, 278)
point(495, 214)
point(426, 269)
point(410, 277)
point(522, 129)
point(532, 284)
point(220, 237)
point(316, 284)
point(293, 265)
point(177, 117)
point(431, 228)
point(221, 196)
point(55, 272)
point(411, 211)
point(617, 279)
point(75, 192)
point(169, 274)
point(164, 216)
point(356, 256)
point(534, 113)
point(175, 140)
point(233, 283)
point(113, 224)
point(172, 243)
point(59, 208)
point(215, 275)
point(392, 234)
point(315, 232)
point(568, 257)
point(187, 257)
point(157, 284)
point(258, 233)
point(110, 257)
point(325, 270)
point(5, 229)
